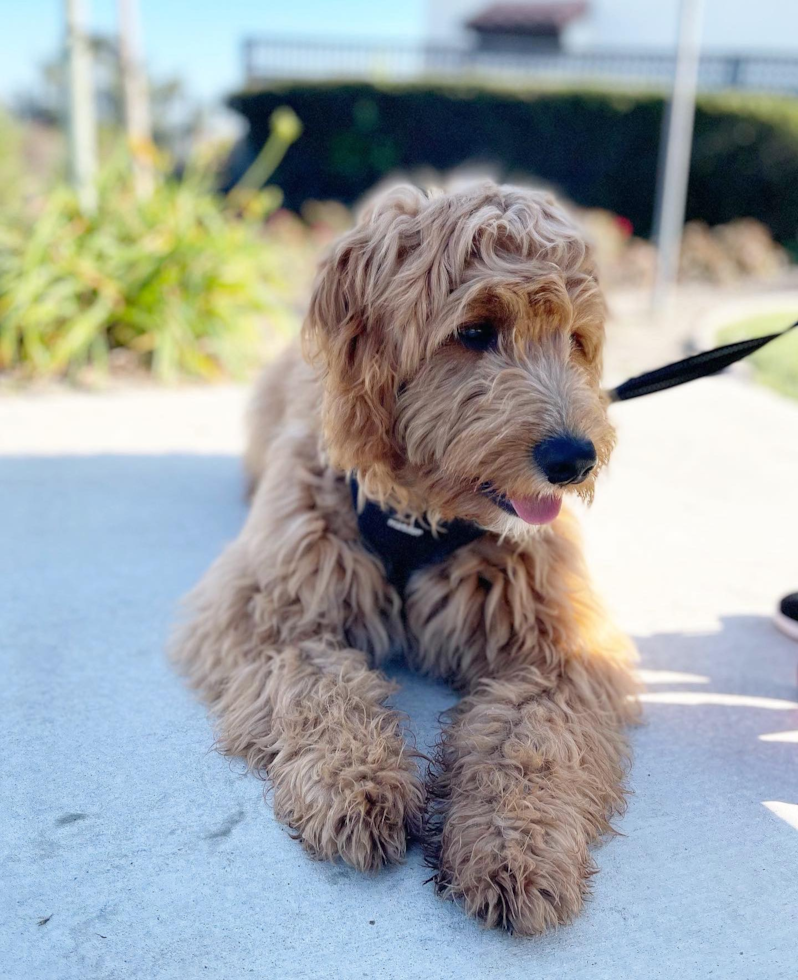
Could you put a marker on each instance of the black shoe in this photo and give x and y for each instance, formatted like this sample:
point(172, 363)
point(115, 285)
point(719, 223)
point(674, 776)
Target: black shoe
point(786, 618)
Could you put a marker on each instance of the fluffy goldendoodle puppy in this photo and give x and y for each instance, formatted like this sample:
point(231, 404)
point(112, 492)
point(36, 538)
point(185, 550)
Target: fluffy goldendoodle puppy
point(453, 350)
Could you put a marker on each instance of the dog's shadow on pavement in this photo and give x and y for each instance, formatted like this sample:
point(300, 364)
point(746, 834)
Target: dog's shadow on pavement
point(723, 703)
point(746, 657)
point(720, 718)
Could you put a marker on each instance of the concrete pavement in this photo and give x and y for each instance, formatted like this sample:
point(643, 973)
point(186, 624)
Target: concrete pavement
point(131, 850)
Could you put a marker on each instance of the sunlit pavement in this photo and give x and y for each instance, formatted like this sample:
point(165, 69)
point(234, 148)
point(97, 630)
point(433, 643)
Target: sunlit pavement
point(130, 850)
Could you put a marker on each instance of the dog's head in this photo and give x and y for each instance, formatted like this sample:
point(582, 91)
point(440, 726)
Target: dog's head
point(460, 338)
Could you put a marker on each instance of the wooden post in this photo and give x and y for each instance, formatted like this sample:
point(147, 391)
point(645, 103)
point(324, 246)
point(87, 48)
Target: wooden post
point(82, 116)
point(136, 97)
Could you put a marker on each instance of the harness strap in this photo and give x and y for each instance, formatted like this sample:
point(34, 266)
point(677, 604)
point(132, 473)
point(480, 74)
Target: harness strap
point(691, 368)
point(405, 548)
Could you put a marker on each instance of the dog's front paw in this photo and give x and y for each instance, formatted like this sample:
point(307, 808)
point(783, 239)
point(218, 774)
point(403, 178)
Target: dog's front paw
point(365, 824)
point(361, 816)
point(524, 880)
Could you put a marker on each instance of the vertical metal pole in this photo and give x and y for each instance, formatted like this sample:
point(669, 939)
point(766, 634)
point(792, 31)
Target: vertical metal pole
point(674, 175)
point(247, 48)
point(136, 97)
point(82, 118)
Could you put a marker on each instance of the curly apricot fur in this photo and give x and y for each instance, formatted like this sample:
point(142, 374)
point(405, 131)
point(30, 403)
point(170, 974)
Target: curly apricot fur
point(285, 634)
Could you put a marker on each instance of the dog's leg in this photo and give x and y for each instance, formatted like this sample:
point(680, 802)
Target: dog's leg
point(531, 769)
point(308, 713)
point(313, 718)
point(530, 773)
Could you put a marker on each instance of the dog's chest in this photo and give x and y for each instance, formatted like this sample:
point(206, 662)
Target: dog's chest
point(453, 602)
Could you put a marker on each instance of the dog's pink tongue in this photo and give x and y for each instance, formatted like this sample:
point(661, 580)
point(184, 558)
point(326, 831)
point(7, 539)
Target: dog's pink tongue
point(536, 510)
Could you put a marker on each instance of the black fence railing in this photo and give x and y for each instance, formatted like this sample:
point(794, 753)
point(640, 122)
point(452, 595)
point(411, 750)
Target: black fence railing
point(283, 59)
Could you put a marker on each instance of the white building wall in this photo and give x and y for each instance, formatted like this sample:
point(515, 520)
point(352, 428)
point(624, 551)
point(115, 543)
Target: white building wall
point(729, 25)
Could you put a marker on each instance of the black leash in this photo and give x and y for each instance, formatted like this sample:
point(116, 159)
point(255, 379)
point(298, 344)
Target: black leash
point(692, 368)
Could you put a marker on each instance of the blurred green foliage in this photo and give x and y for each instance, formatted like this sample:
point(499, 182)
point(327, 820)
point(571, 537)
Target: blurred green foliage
point(776, 364)
point(599, 148)
point(11, 161)
point(183, 278)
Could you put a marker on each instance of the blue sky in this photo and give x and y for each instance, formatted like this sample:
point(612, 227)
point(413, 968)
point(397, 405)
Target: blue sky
point(197, 40)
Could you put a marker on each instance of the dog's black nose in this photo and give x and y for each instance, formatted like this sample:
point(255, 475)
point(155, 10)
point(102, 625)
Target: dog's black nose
point(565, 459)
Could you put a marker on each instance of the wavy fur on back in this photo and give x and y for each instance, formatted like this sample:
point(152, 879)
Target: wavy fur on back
point(285, 634)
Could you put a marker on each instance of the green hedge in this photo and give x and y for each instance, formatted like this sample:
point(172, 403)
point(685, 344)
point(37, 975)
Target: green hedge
point(598, 148)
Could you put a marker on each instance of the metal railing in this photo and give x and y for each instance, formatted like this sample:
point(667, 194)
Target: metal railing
point(269, 60)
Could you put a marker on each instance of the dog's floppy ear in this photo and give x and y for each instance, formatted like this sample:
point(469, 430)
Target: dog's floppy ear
point(353, 331)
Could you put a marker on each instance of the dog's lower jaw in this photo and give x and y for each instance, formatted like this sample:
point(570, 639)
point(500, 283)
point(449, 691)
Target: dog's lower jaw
point(508, 527)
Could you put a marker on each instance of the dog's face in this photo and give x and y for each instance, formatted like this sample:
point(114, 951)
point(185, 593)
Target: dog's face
point(460, 340)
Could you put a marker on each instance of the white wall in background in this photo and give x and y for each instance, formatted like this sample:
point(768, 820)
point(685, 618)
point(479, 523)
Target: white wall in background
point(729, 25)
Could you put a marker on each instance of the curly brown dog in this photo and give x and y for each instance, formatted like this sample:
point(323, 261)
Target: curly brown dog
point(453, 351)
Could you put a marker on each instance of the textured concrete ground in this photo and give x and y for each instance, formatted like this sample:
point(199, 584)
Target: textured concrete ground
point(130, 850)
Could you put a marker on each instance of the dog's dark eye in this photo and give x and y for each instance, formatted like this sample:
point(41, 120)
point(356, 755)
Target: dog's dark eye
point(577, 343)
point(478, 336)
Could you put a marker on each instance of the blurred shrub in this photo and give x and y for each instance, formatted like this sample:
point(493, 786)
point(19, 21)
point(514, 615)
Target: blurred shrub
point(11, 159)
point(600, 149)
point(182, 279)
point(624, 261)
point(741, 249)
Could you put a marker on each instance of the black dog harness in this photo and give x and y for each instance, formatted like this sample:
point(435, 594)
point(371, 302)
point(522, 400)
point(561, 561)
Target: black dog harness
point(405, 548)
